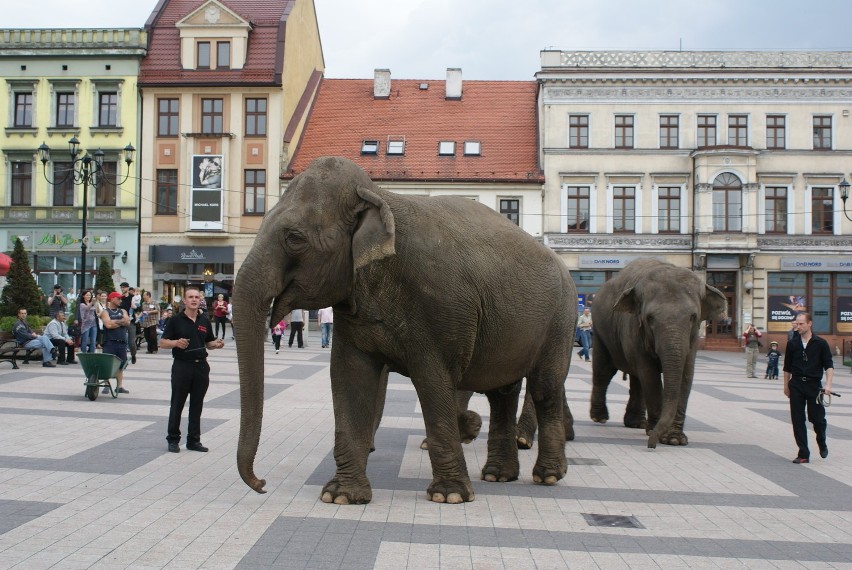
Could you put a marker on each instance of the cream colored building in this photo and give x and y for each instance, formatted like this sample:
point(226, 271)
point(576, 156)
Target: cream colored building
point(729, 163)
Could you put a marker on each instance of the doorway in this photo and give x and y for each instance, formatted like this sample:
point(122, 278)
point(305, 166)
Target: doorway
point(726, 282)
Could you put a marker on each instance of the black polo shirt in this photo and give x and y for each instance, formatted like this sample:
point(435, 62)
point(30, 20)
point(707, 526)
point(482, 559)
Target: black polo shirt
point(810, 361)
point(199, 334)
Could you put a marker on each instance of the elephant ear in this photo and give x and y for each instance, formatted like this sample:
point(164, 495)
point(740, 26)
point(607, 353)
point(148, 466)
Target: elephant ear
point(626, 302)
point(375, 231)
point(713, 303)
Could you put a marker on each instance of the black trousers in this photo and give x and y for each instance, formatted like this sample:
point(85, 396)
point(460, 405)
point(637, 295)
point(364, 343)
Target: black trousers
point(296, 329)
point(223, 320)
point(803, 397)
point(63, 350)
point(190, 379)
point(151, 338)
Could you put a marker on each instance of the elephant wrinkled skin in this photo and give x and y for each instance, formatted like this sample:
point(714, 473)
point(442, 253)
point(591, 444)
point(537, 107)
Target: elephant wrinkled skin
point(442, 290)
point(646, 324)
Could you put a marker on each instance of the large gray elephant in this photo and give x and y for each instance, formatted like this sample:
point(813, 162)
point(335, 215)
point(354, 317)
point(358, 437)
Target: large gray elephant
point(442, 290)
point(646, 324)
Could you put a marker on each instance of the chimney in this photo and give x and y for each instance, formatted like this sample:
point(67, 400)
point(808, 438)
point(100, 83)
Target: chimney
point(454, 83)
point(381, 84)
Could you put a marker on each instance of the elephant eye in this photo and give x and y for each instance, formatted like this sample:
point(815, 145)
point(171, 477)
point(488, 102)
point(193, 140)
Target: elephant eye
point(295, 241)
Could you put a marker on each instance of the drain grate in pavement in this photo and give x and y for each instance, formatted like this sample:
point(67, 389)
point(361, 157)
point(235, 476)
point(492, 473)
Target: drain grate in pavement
point(616, 521)
point(584, 461)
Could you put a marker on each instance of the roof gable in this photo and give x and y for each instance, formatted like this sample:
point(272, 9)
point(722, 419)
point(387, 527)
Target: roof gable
point(212, 13)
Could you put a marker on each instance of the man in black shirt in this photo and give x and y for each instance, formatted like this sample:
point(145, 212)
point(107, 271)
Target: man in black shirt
point(189, 335)
point(805, 358)
point(127, 305)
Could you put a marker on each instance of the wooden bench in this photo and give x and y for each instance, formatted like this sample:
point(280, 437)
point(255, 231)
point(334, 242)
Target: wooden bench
point(10, 351)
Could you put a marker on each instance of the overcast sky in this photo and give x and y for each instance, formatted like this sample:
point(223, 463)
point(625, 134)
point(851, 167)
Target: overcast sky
point(501, 39)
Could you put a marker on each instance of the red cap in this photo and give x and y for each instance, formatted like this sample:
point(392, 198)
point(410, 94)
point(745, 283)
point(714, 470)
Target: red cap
point(114, 295)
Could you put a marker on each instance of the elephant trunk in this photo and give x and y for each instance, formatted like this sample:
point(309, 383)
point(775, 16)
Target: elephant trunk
point(251, 298)
point(673, 369)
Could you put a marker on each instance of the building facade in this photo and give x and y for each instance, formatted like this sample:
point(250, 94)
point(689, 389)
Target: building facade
point(729, 163)
point(54, 85)
point(225, 92)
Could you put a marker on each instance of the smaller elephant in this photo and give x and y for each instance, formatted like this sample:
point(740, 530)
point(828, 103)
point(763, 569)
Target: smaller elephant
point(646, 325)
point(469, 421)
point(527, 424)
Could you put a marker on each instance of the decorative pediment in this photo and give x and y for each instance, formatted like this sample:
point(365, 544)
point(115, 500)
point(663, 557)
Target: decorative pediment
point(212, 14)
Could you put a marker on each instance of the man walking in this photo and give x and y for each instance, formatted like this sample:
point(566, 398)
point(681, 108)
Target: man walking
point(325, 317)
point(57, 331)
point(805, 358)
point(584, 332)
point(189, 335)
point(297, 323)
point(25, 336)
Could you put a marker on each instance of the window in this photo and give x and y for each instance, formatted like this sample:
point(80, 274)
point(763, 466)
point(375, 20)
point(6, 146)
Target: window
point(822, 211)
point(396, 147)
point(63, 189)
point(822, 133)
point(624, 131)
point(669, 129)
point(623, 209)
point(22, 183)
point(108, 110)
point(255, 117)
point(106, 187)
point(472, 148)
point(23, 109)
point(511, 208)
point(776, 209)
point(727, 203)
point(446, 148)
point(168, 117)
point(577, 209)
point(578, 131)
point(706, 130)
point(203, 55)
point(64, 109)
point(223, 55)
point(668, 209)
point(255, 185)
point(212, 116)
point(167, 191)
point(738, 130)
point(776, 132)
point(370, 147)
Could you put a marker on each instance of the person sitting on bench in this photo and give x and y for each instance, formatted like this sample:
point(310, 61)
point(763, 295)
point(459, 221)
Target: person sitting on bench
point(57, 331)
point(25, 336)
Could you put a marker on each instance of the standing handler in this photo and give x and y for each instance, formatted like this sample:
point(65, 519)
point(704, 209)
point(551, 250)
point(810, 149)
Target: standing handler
point(115, 321)
point(805, 358)
point(189, 335)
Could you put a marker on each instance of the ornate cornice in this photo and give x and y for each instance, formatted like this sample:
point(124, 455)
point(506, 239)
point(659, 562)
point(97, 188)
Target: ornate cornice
point(622, 243)
point(833, 244)
point(706, 59)
point(800, 93)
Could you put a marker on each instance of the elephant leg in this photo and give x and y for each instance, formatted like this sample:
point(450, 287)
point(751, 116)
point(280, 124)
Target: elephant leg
point(652, 394)
point(527, 424)
point(634, 414)
point(450, 479)
point(567, 417)
point(547, 386)
point(675, 435)
point(357, 390)
point(502, 463)
point(470, 423)
point(380, 405)
point(602, 372)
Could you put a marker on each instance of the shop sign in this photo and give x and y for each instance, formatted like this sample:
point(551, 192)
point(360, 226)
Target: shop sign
point(844, 315)
point(607, 262)
point(816, 264)
point(191, 254)
point(61, 240)
point(782, 310)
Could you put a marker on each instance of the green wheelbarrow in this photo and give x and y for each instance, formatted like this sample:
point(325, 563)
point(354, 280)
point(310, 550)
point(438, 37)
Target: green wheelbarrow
point(99, 368)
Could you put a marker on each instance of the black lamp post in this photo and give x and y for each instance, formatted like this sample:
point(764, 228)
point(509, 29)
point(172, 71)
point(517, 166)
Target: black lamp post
point(844, 194)
point(85, 170)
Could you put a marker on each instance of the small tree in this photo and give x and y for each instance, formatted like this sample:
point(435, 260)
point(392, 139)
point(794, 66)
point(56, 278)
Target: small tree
point(21, 289)
point(104, 280)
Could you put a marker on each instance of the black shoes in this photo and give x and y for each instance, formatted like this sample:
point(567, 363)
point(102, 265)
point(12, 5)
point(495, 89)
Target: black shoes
point(196, 447)
point(48, 364)
point(62, 363)
point(823, 452)
point(801, 460)
point(122, 390)
point(174, 447)
point(132, 359)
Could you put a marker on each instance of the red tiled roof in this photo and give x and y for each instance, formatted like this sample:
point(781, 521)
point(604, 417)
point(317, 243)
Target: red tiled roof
point(263, 61)
point(499, 114)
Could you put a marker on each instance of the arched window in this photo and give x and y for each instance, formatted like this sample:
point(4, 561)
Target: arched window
point(727, 203)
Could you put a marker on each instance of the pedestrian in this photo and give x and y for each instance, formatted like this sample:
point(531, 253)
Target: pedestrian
point(57, 331)
point(150, 318)
point(87, 320)
point(773, 355)
point(297, 323)
point(277, 331)
point(25, 336)
point(190, 335)
point(751, 337)
point(220, 314)
point(805, 359)
point(231, 318)
point(127, 294)
point(57, 301)
point(584, 332)
point(100, 307)
point(325, 318)
point(115, 339)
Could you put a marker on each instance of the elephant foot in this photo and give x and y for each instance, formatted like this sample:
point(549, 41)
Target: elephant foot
point(549, 475)
point(425, 443)
point(524, 442)
point(569, 432)
point(674, 437)
point(635, 422)
point(451, 492)
point(469, 425)
point(340, 493)
point(599, 414)
point(494, 472)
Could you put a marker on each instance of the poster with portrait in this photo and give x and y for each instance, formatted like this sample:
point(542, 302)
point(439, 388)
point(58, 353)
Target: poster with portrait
point(783, 310)
point(844, 314)
point(206, 208)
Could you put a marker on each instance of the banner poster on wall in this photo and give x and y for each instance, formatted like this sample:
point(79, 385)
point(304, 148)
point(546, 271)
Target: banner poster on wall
point(844, 314)
point(783, 310)
point(206, 211)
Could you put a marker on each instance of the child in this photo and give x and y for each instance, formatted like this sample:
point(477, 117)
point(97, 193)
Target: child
point(772, 357)
point(277, 331)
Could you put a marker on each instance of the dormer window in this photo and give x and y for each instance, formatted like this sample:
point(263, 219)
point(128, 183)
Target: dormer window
point(446, 148)
point(370, 147)
point(203, 61)
point(223, 55)
point(396, 146)
point(472, 148)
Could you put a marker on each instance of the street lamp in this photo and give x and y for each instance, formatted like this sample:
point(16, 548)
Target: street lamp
point(844, 193)
point(85, 170)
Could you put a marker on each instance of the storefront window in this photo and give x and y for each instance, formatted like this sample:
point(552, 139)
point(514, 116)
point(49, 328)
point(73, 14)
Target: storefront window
point(792, 293)
point(588, 283)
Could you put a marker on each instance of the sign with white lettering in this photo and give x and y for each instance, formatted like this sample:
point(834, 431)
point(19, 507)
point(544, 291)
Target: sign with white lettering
point(206, 209)
point(816, 264)
point(609, 261)
point(844, 315)
point(782, 310)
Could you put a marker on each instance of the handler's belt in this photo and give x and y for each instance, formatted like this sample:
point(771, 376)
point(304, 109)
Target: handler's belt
point(806, 379)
